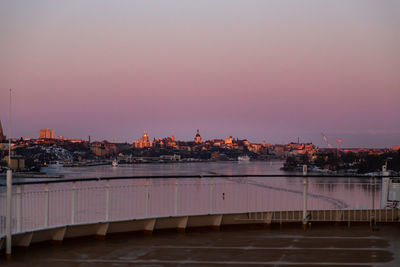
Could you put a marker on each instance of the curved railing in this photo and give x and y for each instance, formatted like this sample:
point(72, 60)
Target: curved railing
point(45, 204)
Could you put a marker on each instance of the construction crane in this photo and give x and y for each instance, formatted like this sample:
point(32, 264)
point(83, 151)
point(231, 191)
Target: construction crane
point(326, 140)
point(337, 140)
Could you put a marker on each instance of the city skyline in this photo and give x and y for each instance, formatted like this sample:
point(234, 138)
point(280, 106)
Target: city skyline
point(259, 70)
point(49, 133)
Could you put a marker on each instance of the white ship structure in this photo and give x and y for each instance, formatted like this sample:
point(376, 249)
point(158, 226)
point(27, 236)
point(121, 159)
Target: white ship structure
point(244, 158)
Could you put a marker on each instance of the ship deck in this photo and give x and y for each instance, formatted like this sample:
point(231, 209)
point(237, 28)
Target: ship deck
point(284, 245)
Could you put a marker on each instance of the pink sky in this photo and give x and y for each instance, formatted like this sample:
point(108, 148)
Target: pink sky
point(270, 70)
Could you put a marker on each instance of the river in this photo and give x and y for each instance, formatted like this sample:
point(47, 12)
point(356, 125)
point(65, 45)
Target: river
point(161, 169)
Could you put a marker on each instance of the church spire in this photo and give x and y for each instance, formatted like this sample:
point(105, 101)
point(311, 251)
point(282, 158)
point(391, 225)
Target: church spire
point(197, 138)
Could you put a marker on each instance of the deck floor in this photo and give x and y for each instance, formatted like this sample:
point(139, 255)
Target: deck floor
point(327, 245)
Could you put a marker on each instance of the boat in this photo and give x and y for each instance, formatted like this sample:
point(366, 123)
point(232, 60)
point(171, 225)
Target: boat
point(244, 158)
point(114, 163)
point(54, 164)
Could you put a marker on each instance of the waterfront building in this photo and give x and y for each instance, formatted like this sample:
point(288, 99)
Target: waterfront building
point(228, 143)
point(99, 151)
point(280, 150)
point(2, 136)
point(301, 149)
point(143, 142)
point(102, 149)
point(256, 148)
point(173, 157)
point(246, 142)
point(171, 142)
point(76, 141)
point(46, 133)
point(228, 140)
point(168, 142)
point(217, 142)
point(17, 162)
point(197, 138)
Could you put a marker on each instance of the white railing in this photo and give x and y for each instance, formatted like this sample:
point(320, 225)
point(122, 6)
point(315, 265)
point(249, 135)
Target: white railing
point(38, 206)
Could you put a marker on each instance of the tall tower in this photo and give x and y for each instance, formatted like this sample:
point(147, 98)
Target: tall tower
point(197, 138)
point(46, 134)
point(145, 137)
point(2, 136)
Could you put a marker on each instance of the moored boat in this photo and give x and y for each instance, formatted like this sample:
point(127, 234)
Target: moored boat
point(114, 163)
point(244, 158)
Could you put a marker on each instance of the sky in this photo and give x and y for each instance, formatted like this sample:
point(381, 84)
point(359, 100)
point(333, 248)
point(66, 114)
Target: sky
point(261, 70)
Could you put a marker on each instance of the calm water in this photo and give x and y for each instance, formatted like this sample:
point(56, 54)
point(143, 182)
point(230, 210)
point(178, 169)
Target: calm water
point(196, 168)
point(265, 193)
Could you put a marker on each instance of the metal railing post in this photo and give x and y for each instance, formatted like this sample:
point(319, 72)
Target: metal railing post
point(108, 200)
point(385, 187)
point(373, 200)
point(73, 203)
point(176, 196)
point(147, 197)
point(211, 195)
point(46, 205)
point(305, 196)
point(8, 213)
point(19, 208)
point(247, 194)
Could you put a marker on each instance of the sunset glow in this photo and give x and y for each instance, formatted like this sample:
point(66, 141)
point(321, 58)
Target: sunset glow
point(262, 70)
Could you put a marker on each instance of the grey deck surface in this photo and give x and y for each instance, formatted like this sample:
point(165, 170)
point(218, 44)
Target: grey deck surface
point(326, 245)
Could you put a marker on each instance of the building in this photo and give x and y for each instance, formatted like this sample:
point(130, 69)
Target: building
point(17, 162)
point(280, 150)
point(143, 142)
point(228, 140)
point(2, 136)
point(46, 134)
point(197, 138)
point(170, 157)
point(103, 149)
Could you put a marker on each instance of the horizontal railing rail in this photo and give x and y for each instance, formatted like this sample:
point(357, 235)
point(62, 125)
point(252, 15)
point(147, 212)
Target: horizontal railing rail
point(62, 180)
point(293, 197)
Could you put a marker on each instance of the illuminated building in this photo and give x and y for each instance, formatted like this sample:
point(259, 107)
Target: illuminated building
point(197, 138)
point(46, 134)
point(170, 142)
point(228, 140)
point(143, 142)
